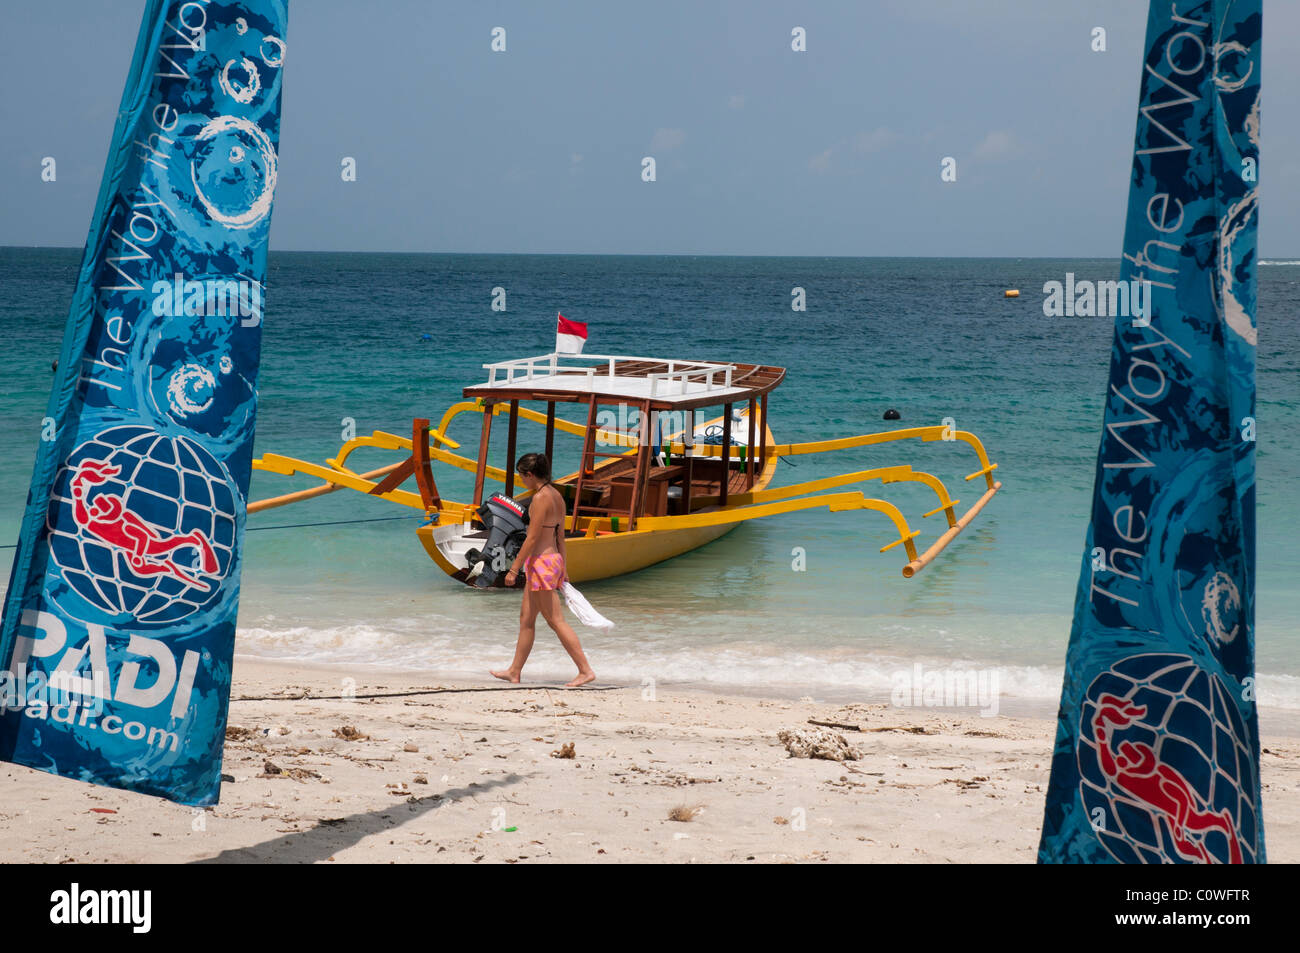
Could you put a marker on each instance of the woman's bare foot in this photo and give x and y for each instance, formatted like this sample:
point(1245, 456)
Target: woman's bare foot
point(582, 679)
point(508, 676)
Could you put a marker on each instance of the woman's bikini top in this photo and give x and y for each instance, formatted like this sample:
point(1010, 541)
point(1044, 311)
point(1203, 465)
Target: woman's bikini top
point(555, 526)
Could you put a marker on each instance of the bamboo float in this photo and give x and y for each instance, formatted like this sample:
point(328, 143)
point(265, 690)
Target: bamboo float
point(272, 502)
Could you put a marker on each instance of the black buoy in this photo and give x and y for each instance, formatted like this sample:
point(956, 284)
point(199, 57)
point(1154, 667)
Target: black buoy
point(892, 414)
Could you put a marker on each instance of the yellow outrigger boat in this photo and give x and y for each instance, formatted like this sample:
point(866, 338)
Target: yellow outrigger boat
point(657, 492)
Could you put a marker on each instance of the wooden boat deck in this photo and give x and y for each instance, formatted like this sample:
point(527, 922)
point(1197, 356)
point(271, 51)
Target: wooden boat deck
point(602, 496)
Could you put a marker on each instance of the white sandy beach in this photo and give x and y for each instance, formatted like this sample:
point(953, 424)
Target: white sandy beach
point(434, 772)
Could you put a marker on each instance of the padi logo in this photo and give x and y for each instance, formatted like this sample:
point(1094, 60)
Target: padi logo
point(216, 297)
point(1100, 299)
point(58, 696)
point(73, 906)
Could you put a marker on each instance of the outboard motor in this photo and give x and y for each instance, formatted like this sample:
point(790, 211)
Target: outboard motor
point(506, 523)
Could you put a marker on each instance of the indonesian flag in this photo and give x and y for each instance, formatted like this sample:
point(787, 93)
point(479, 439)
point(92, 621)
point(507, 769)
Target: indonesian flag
point(570, 336)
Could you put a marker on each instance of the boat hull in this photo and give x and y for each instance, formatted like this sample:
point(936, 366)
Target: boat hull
point(607, 554)
point(603, 557)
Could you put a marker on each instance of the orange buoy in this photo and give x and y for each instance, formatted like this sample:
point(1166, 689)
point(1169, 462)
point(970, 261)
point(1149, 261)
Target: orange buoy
point(1011, 293)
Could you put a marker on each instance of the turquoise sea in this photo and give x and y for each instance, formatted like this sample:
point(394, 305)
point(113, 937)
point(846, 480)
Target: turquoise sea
point(933, 338)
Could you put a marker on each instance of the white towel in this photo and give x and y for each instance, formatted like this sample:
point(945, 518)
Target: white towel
point(578, 603)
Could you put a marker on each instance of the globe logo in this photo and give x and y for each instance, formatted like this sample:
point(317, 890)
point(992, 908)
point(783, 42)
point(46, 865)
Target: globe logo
point(141, 526)
point(1165, 773)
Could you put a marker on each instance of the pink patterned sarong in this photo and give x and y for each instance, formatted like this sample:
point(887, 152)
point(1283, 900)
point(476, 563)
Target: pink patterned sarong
point(545, 571)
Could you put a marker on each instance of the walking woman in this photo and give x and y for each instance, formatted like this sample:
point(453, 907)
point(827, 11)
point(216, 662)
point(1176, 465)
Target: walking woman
point(542, 559)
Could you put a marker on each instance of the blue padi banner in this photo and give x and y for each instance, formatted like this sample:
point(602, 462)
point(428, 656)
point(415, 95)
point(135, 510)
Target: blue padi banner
point(119, 620)
point(1157, 747)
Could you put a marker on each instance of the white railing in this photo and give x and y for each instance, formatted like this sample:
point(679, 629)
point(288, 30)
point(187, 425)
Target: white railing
point(524, 369)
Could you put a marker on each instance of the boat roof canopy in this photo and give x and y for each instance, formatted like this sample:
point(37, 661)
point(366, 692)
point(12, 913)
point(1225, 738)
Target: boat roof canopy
point(617, 378)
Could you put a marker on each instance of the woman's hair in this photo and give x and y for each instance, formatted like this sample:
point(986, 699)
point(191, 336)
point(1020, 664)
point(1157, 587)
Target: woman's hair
point(535, 464)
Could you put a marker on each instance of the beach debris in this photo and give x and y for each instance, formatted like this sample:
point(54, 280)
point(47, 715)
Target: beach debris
point(420, 779)
point(228, 778)
point(410, 747)
point(781, 820)
point(102, 810)
point(238, 733)
point(350, 733)
point(834, 724)
point(966, 784)
point(817, 743)
point(565, 751)
point(910, 729)
point(685, 812)
point(510, 830)
point(272, 770)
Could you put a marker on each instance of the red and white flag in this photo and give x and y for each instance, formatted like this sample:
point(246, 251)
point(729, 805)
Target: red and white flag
point(570, 336)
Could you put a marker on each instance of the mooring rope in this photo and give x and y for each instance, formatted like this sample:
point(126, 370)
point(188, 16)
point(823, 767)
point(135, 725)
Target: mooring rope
point(377, 519)
point(251, 529)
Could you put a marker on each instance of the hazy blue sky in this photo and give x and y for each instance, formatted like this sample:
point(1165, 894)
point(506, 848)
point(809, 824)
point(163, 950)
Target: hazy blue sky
point(760, 150)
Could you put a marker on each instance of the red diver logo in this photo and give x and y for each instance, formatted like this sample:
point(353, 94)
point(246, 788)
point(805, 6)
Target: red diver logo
point(1133, 768)
point(106, 517)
